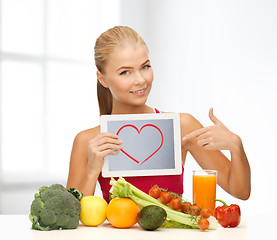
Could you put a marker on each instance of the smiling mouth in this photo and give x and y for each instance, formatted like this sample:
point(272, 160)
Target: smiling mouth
point(141, 91)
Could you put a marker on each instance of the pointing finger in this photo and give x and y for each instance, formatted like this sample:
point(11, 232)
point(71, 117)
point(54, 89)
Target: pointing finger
point(213, 118)
point(195, 133)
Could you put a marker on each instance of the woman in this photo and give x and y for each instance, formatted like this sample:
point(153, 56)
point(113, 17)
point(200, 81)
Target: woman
point(124, 80)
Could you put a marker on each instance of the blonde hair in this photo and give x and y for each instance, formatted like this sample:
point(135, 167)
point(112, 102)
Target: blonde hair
point(117, 36)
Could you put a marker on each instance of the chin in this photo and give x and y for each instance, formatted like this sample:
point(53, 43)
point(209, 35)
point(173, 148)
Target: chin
point(137, 103)
point(140, 101)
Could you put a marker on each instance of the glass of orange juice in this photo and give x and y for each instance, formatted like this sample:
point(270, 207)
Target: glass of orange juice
point(204, 188)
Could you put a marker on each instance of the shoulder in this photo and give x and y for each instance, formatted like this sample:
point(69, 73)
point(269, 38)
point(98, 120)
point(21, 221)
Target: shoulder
point(189, 123)
point(86, 135)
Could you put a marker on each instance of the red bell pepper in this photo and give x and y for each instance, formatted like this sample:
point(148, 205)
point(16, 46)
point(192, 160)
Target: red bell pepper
point(227, 216)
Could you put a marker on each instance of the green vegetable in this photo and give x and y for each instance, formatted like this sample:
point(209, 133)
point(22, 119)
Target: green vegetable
point(151, 217)
point(76, 193)
point(173, 224)
point(121, 188)
point(55, 207)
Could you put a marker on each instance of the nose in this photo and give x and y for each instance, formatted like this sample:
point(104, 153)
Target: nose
point(139, 78)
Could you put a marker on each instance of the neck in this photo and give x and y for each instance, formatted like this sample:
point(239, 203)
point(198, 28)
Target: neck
point(131, 109)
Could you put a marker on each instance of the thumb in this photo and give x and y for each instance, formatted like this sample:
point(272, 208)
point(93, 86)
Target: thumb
point(213, 117)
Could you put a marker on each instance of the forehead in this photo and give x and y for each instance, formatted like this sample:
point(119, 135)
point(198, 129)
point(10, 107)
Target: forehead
point(127, 55)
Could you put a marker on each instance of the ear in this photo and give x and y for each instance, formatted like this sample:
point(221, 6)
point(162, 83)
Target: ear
point(101, 79)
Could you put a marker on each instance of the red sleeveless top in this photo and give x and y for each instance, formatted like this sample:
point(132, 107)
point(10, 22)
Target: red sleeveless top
point(174, 183)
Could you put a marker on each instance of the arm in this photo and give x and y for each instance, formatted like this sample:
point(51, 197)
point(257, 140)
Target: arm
point(205, 144)
point(87, 158)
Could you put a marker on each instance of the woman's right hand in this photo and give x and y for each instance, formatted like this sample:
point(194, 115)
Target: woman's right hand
point(99, 147)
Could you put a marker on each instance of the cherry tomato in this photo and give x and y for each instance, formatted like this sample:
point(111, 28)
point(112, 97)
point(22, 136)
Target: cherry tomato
point(175, 203)
point(185, 207)
point(165, 197)
point(205, 213)
point(195, 209)
point(203, 224)
point(155, 192)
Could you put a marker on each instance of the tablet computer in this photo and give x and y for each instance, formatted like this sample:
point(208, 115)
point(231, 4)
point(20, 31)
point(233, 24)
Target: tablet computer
point(151, 144)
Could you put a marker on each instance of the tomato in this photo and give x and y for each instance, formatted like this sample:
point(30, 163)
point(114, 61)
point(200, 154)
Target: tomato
point(188, 208)
point(195, 209)
point(175, 203)
point(165, 197)
point(185, 207)
point(205, 213)
point(155, 192)
point(203, 224)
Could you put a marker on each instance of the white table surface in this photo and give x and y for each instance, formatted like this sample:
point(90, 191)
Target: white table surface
point(255, 227)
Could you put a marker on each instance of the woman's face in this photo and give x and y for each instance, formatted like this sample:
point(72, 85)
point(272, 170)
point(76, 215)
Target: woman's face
point(129, 75)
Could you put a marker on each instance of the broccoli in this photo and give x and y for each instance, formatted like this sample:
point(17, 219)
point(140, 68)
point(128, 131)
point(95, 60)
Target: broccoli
point(55, 207)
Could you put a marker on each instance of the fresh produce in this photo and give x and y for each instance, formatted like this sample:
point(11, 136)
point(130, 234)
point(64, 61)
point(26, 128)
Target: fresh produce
point(205, 213)
point(175, 203)
point(151, 217)
point(155, 192)
point(165, 197)
point(123, 189)
point(55, 207)
point(122, 212)
point(173, 224)
point(203, 224)
point(227, 216)
point(185, 207)
point(76, 193)
point(195, 209)
point(93, 210)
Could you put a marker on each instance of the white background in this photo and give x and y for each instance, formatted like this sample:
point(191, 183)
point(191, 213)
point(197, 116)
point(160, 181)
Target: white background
point(204, 53)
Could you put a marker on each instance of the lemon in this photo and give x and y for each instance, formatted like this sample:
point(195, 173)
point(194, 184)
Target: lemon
point(93, 210)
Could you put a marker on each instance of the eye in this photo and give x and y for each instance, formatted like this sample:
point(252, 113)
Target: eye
point(124, 73)
point(146, 67)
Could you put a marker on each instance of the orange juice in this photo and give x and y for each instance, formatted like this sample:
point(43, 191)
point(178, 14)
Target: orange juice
point(204, 188)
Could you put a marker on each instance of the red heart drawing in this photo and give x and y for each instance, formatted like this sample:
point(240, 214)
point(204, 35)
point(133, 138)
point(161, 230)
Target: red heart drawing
point(139, 131)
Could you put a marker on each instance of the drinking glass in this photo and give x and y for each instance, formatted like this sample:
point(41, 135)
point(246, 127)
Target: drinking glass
point(204, 188)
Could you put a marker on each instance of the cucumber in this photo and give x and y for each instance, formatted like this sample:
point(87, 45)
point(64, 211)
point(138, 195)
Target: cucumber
point(151, 217)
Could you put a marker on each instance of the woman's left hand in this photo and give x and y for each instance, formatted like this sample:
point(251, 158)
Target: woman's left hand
point(216, 137)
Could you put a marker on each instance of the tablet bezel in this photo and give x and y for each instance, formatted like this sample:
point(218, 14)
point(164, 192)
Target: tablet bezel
point(104, 120)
